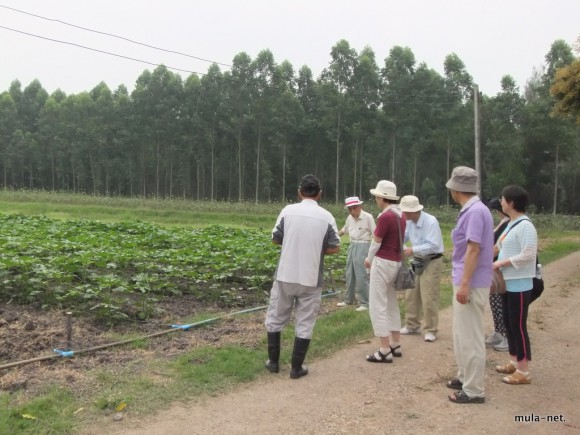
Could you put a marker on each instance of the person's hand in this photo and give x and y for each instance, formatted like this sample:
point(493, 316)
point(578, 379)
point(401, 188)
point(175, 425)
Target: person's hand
point(367, 263)
point(496, 265)
point(408, 252)
point(462, 295)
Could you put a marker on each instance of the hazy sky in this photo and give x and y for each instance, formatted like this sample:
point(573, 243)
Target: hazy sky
point(492, 37)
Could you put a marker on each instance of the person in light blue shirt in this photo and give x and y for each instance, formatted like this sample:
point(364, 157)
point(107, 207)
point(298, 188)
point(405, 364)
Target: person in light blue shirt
point(424, 234)
point(518, 246)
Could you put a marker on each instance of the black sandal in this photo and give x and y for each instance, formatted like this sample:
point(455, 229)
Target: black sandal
point(461, 397)
point(396, 352)
point(454, 384)
point(382, 358)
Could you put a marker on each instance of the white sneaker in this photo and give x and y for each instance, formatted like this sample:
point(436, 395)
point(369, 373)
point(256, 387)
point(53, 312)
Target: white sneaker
point(362, 308)
point(502, 346)
point(341, 304)
point(409, 331)
point(493, 339)
point(430, 337)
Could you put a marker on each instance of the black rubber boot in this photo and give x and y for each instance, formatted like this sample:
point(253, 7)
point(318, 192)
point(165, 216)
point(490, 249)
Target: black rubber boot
point(300, 349)
point(273, 352)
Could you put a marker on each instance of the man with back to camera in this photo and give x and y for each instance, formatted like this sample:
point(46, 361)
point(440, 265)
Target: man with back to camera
point(307, 233)
point(359, 226)
point(471, 274)
point(426, 248)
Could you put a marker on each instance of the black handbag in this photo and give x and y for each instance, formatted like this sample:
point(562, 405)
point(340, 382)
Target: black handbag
point(537, 288)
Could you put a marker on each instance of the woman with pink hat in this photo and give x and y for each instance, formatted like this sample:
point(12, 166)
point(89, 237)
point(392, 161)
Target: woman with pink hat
point(359, 226)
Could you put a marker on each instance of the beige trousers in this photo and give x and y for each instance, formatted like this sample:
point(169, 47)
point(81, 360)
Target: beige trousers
point(423, 300)
point(383, 305)
point(469, 340)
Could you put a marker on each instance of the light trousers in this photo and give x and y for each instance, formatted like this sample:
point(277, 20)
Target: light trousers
point(383, 305)
point(357, 278)
point(423, 300)
point(469, 340)
point(283, 297)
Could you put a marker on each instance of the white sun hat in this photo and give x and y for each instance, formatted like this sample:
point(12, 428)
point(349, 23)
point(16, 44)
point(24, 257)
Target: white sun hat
point(385, 189)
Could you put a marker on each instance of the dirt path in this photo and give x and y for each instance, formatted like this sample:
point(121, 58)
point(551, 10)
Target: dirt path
point(345, 394)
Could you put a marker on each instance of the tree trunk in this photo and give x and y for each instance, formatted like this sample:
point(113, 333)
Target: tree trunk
point(393, 154)
point(258, 160)
point(283, 199)
point(447, 168)
point(556, 181)
point(337, 156)
point(157, 166)
point(93, 175)
point(240, 196)
point(414, 175)
point(74, 175)
point(30, 177)
point(211, 192)
point(360, 172)
point(53, 172)
point(355, 166)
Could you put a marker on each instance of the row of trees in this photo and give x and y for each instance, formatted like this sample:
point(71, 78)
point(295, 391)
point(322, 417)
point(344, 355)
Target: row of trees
point(251, 132)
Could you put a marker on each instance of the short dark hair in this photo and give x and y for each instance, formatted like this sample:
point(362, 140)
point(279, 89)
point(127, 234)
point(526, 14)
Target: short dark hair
point(516, 195)
point(309, 186)
point(495, 204)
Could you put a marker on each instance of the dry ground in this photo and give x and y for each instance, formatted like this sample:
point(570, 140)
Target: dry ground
point(345, 394)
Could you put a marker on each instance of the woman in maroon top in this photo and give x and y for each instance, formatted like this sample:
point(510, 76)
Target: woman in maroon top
point(384, 260)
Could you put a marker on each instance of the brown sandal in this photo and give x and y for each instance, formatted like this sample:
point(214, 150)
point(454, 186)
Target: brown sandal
point(517, 378)
point(506, 369)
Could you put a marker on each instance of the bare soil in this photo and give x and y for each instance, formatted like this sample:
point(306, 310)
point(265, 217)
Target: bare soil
point(341, 394)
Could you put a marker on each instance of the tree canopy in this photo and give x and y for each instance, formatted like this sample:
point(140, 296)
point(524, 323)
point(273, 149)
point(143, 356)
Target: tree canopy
point(250, 132)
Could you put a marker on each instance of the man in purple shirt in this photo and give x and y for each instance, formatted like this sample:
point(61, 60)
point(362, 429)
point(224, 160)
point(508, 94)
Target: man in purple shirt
point(472, 271)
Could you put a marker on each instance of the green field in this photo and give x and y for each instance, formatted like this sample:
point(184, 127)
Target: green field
point(111, 259)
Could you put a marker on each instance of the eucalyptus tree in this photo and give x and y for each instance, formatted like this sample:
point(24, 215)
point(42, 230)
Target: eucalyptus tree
point(158, 106)
point(396, 98)
point(102, 150)
point(306, 153)
point(51, 140)
point(195, 144)
point(337, 79)
point(425, 115)
point(502, 141)
point(210, 107)
point(79, 132)
point(266, 88)
point(29, 105)
point(458, 115)
point(364, 100)
point(286, 124)
point(8, 126)
point(239, 83)
point(124, 162)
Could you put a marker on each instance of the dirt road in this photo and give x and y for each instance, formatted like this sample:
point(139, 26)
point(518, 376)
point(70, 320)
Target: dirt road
point(345, 394)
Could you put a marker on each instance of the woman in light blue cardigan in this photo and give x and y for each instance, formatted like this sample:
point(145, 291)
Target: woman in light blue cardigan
point(518, 246)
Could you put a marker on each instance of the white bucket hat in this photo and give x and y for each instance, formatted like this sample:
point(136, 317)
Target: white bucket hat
point(351, 201)
point(410, 204)
point(385, 189)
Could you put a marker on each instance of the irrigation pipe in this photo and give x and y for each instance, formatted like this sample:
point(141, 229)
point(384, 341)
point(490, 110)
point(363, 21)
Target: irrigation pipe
point(58, 353)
